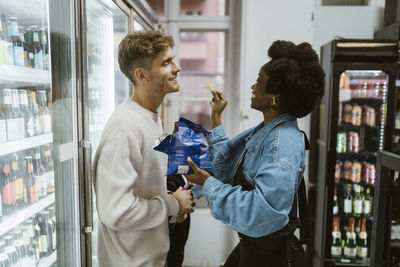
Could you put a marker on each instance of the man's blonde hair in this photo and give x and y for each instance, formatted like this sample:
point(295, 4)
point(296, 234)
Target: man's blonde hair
point(139, 49)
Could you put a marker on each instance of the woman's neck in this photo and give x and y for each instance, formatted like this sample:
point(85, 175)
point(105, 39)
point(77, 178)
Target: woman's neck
point(270, 115)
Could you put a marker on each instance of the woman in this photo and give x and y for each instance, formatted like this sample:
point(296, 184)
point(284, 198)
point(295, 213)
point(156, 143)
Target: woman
point(257, 173)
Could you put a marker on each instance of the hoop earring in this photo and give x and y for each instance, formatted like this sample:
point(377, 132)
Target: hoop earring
point(273, 103)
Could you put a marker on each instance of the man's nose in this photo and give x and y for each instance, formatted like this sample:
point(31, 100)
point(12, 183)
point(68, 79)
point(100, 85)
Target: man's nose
point(176, 67)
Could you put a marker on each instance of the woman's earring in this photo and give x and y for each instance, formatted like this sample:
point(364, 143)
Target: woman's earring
point(273, 104)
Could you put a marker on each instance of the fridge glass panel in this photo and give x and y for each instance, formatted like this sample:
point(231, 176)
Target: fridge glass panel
point(107, 25)
point(361, 122)
point(39, 207)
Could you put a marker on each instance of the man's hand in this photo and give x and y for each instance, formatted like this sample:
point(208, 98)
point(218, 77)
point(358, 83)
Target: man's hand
point(181, 218)
point(185, 200)
point(199, 176)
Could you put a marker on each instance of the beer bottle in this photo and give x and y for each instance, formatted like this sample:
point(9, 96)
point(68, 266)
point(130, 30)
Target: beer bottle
point(38, 172)
point(12, 121)
point(357, 201)
point(9, 44)
point(3, 42)
point(21, 248)
point(18, 47)
point(368, 202)
point(4, 260)
point(28, 115)
point(48, 168)
point(29, 48)
point(8, 188)
point(44, 47)
point(335, 209)
point(44, 112)
point(19, 181)
point(17, 111)
point(350, 247)
point(46, 234)
point(37, 50)
point(11, 251)
point(31, 187)
point(36, 237)
point(35, 113)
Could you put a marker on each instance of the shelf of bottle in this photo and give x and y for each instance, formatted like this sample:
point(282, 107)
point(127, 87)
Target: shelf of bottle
point(351, 262)
point(365, 100)
point(395, 244)
point(49, 260)
point(26, 143)
point(11, 221)
point(348, 126)
point(353, 155)
point(22, 76)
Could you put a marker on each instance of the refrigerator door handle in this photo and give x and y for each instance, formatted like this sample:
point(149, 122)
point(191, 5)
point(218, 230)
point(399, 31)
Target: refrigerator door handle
point(87, 147)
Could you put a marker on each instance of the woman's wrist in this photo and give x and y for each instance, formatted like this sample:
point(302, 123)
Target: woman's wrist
point(215, 119)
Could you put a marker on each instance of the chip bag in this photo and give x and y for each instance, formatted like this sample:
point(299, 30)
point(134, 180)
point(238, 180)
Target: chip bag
point(187, 140)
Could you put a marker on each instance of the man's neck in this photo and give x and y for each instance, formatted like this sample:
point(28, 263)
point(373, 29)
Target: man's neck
point(147, 100)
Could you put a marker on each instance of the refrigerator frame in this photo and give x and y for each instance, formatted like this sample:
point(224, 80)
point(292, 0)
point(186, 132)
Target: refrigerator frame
point(325, 168)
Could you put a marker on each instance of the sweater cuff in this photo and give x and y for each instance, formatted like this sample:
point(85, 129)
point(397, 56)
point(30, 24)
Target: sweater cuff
point(217, 134)
point(172, 205)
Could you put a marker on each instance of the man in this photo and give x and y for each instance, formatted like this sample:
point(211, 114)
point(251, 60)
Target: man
point(132, 200)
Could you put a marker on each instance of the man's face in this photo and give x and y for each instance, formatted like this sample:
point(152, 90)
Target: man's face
point(164, 73)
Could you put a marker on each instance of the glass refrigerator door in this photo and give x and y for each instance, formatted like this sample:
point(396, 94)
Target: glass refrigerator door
point(39, 211)
point(360, 134)
point(107, 25)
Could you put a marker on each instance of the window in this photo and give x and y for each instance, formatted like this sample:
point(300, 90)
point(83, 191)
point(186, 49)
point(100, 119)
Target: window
point(345, 2)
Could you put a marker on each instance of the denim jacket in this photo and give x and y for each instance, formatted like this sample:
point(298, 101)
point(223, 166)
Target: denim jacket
point(274, 164)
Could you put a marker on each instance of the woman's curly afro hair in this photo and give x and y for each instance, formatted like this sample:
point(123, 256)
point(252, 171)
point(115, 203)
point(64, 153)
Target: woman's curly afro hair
point(295, 74)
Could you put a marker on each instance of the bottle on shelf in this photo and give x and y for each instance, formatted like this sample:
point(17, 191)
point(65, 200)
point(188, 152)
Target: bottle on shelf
point(32, 195)
point(36, 238)
point(38, 171)
point(8, 188)
point(350, 247)
point(362, 241)
point(19, 181)
point(3, 123)
point(4, 260)
point(11, 251)
point(35, 111)
point(357, 201)
point(335, 209)
point(44, 112)
point(336, 248)
point(27, 113)
point(12, 120)
point(348, 201)
point(18, 47)
point(19, 116)
point(21, 248)
point(368, 202)
point(37, 50)
point(48, 168)
point(3, 42)
point(47, 234)
point(9, 44)
point(44, 47)
point(29, 48)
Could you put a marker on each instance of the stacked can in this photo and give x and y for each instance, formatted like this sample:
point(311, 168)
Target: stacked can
point(347, 169)
point(353, 142)
point(369, 115)
point(347, 110)
point(341, 142)
point(356, 115)
point(338, 171)
point(369, 173)
point(356, 172)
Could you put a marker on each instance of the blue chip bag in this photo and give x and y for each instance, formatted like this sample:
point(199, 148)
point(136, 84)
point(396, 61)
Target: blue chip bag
point(187, 140)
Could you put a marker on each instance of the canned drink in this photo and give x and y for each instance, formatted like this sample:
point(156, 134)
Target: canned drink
point(356, 115)
point(349, 141)
point(347, 113)
point(341, 142)
point(338, 171)
point(372, 174)
point(372, 118)
point(356, 172)
point(347, 169)
point(355, 142)
point(365, 172)
point(340, 112)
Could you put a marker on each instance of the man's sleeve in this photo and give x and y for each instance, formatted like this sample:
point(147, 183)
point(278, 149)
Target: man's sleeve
point(118, 207)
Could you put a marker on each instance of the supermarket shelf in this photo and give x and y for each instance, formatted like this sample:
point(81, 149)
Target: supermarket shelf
point(357, 127)
point(354, 262)
point(26, 143)
point(22, 76)
point(48, 261)
point(395, 244)
point(9, 222)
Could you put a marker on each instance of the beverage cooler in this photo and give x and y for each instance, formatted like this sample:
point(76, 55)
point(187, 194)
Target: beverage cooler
point(353, 121)
point(59, 82)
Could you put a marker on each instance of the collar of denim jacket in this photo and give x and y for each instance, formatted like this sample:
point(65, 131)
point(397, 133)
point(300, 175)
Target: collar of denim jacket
point(263, 130)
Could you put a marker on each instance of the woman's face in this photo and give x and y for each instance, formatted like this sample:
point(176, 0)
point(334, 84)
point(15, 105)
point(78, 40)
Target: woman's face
point(260, 99)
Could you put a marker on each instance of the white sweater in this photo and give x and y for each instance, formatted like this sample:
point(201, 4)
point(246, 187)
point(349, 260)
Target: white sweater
point(131, 193)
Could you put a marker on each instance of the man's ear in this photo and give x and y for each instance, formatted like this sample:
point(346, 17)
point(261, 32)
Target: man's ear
point(141, 74)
